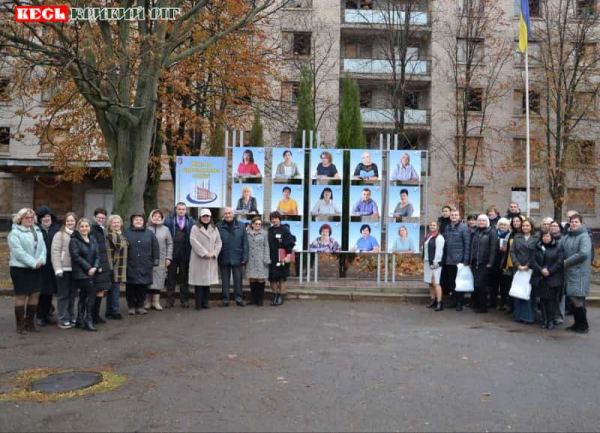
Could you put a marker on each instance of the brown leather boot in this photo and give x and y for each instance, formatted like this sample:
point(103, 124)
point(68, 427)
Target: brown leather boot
point(30, 318)
point(20, 316)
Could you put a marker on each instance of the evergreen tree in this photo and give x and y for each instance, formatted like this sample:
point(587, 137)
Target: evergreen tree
point(350, 130)
point(256, 134)
point(306, 115)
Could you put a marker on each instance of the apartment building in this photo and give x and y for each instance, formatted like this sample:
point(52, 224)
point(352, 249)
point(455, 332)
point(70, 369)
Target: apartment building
point(410, 51)
point(403, 54)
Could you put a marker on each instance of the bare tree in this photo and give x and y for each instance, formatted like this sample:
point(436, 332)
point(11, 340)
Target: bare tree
point(476, 52)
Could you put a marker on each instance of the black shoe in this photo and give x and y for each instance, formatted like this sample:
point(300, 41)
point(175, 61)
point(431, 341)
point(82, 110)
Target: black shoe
point(431, 304)
point(97, 319)
point(225, 304)
point(439, 306)
point(239, 303)
point(459, 306)
point(549, 325)
point(116, 316)
point(185, 304)
point(279, 300)
point(40, 322)
point(272, 303)
point(89, 326)
point(170, 303)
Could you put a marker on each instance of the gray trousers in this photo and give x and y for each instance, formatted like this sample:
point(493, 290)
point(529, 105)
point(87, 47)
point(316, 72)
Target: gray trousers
point(66, 297)
point(226, 271)
point(559, 309)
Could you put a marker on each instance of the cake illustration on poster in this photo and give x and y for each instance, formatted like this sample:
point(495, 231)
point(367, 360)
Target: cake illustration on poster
point(201, 193)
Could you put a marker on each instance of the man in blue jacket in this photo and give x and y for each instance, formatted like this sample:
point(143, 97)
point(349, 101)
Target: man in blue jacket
point(234, 254)
point(180, 224)
point(456, 250)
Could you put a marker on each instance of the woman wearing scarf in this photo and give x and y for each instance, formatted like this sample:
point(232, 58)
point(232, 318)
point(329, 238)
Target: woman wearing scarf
point(521, 254)
point(433, 252)
point(507, 266)
point(547, 278)
point(117, 248)
point(61, 262)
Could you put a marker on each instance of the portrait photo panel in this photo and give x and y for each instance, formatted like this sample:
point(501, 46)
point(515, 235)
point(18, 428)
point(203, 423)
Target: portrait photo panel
point(326, 200)
point(287, 163)
point(410, 209)
point(295, 193)
point(326, 164)
point(366, 165)
point(358, 207)
point(247, 198)
point(410, 244)
point(248, 162)
point(404, 166)
point(366, 244)
point(335, 236)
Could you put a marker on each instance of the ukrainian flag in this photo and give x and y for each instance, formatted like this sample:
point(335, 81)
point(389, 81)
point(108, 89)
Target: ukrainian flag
point(524, 31)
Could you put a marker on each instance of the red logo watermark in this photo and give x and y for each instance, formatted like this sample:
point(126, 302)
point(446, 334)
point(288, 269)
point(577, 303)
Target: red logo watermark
point(38, 14)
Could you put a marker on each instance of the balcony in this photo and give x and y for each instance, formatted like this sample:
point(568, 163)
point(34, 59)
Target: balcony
point(382, 116)
point(384, 67)
point(365, 16)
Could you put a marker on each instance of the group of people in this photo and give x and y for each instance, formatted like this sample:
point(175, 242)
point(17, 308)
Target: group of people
point(88, 259)
point(555, 260)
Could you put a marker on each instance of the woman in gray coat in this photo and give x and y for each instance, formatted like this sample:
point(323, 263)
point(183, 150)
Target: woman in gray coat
point(578, 271)
point(159, 273)
point(259, 259)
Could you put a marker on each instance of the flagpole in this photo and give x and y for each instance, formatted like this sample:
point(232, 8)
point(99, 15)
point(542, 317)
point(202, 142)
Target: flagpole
point(527, 147)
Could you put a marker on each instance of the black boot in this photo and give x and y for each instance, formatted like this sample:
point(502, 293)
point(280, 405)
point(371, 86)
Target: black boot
point(88, 323)
point(206, 297)
point(459, 301)
point(30, 318)
point(170, 298)
point(252, 294)
point(576, 326)
point(81, 306)
point(279, 300)
point(439, 306)
point(275, 296)
point(43, 310)
point(544, 316)
point(583, 326)
point(198, 297)
point(20, 318)
point(431, 304)
point(260, 294)
point(97, 304)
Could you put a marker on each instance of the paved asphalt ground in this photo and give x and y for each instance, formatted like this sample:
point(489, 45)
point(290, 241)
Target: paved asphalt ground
point(315, 366)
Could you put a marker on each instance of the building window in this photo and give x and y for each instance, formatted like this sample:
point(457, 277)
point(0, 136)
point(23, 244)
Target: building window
point(520, 102)
point(359, 4)
point(534, 8)
point(583, 200)
point(4, 138)
point(586, 8)
point(474, 200)
point(469, 51)
point(519, 155)
point(358, 50)
point(366, 98)
point(296, 44)
point(475, 99)
point(4, 83)
point(290, 92)
point(581, 153)
point(411, 100)
point(519, 196)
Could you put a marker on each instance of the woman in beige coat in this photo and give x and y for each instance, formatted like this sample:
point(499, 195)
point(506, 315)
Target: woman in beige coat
point(159, 273)
point(204, 269)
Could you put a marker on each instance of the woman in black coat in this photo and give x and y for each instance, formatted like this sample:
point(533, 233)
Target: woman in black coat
point(279, 238)
point(484, 249)
point(85, 261)
point(143, 255)
point(547, 278)
point(48, 224)
point(521, 254)
point(103, 278)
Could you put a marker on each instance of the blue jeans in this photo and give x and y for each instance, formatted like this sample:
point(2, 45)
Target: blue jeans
point(524, 310)
point(112, 299)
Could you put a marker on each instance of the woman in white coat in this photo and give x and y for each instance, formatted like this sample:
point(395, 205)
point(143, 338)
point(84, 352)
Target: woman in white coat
point(204, 269)
point(433, 251)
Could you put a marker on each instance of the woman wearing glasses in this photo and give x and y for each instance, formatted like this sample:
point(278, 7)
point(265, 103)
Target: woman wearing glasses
point(257, 268)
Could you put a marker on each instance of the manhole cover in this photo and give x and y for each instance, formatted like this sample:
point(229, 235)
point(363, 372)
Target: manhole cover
point(66, 382)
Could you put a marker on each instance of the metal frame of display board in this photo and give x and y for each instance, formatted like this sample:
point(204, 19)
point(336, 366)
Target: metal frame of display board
point(312, 141)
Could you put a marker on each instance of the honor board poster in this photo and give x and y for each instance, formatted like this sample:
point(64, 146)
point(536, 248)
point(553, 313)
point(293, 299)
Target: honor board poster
point(201, 181)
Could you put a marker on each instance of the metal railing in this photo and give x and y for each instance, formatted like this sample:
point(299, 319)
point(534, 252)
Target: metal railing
point(386, 116)
point(396, 18)
point(378, 66)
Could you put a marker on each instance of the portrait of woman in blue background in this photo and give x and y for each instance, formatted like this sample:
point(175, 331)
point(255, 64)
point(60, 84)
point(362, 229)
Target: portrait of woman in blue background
point(363, 237)
point(403, 237)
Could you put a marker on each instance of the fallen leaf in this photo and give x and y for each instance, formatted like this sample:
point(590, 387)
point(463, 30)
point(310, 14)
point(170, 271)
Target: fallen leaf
point(232, 356)
point(281, 378)
point(464, 357)
point(486, 394)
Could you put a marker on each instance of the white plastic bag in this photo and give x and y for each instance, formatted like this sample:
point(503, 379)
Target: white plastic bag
point(464, 279)
point(521, 285)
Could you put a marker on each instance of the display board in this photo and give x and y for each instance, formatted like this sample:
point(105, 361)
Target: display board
point(201, 181)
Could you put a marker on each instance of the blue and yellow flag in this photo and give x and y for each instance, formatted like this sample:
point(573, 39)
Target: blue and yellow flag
point(524, 31)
